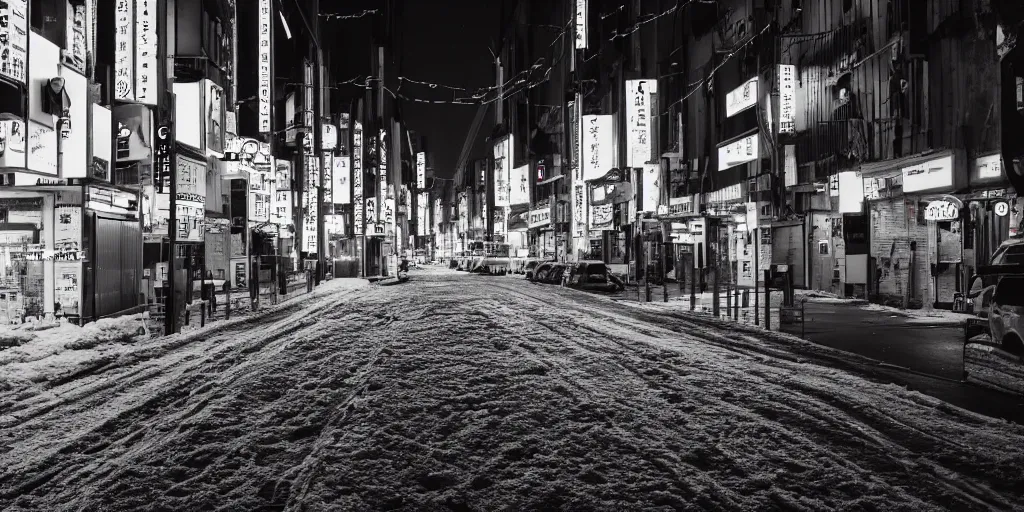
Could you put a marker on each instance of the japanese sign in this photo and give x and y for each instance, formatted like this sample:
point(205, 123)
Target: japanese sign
point(596, 139)
point(601, 217)
point(581, 24)
point(651, 188)
point(738, 152)
point(124, 49)
point(260, 191)
point(787, 98)
point(741, 98)
point(341, 192)
point(145, 46)
point(357, 178)
point(502, 164)
point(76, 38)
point(579, 195)
point(421, 170)
point(263, 80)
point(190, 199)
point(638, 111)
point(382, 169)
point(540, 217)
point(13, 39)
point(519, 187)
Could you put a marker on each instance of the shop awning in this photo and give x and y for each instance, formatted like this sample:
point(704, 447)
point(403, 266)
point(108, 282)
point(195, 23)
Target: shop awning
point(551, 180)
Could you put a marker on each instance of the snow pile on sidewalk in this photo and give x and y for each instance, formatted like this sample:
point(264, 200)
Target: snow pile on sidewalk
point(53, 349)
point(823, 297)
point(923, 316)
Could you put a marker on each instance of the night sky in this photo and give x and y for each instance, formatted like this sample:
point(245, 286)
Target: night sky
point(445, 42)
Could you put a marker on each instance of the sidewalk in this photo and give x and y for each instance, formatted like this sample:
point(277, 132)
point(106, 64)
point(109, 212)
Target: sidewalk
point(743, 302)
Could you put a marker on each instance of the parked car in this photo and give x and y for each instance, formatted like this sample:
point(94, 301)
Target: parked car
point(540, 271)
point(530, 266)
point(1006, 315)
point(1008, 259)
point(592, 276)
point(554, 274)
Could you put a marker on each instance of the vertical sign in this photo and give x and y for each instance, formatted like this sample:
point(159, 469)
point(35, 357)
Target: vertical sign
point(581, 24)
point(519, 185)
point(340, 193)
point(145, 52)
point(502, 163)
point(787, 98)
point(357, 178)
point(328, 179)
point(124, 46)
point(312, 210)
point(638, 111)
point(76, 36)
point(598, 156)
point(264, 66)
point(421, 170)
point(190, 199)
point(13, 39)
point(652, 188)
point(579, 197)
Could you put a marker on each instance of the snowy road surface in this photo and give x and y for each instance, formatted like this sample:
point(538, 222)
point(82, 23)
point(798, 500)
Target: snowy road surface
point(458, 392)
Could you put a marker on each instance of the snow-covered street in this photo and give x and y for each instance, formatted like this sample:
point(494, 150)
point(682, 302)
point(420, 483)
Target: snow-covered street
point(465, 392)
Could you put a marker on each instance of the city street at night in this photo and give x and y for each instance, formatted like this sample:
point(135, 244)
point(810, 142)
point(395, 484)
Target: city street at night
point(463, 392)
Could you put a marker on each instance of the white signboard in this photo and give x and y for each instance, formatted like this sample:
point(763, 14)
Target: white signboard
point(259, 193)
point(930, 175)
point(581, 24)
point(651, 187)
point(190, 199)
point(382, 168)
point(540, 217)
point(601, 217)
point(145, 52)
point(639, 125)
point(357, 178)
point(851, 192)
point(421, 170)
point(790, 167)
point(1001, 208)
point(341, 192)
point(989, 167)
point(14, 39)
point(263, 81)
point(502, 164)
point(328, 137)
point(124, 50)
point(941, 211)
point(579, 191)
point(738, 152)
point(787, 98)
point(519, 185)
point(741, 98)
point(598, 151)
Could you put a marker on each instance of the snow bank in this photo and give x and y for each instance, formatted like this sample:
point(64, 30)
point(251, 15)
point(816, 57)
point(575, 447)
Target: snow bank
point(923, 316)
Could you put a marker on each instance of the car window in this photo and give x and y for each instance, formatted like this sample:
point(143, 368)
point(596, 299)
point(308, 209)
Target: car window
point(1009, 255)
point(597, 268)
point(1010, 291)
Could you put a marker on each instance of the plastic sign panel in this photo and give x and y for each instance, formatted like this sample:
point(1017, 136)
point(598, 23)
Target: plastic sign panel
point(539, 217)
point(639, 125)
point(340, 191)
point(14, 39)
point(598, 149)
point(787, 98)
point(357, 178)
point(738, 152)
point(124, 49)
point(930, 175)
point(519, 187)
point(263, 81)
point(145, 45)
point(502, 164)
point(989, 167)
point(190, 199)
point(421, 170)
point(942, 210)
point(652, 187)
point(741, 98)
point(581, 24)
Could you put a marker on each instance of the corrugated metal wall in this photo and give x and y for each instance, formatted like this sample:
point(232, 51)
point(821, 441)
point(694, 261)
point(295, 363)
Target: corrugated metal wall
point(118, 261)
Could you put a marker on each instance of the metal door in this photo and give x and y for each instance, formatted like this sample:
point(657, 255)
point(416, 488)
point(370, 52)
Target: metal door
point(117, 259)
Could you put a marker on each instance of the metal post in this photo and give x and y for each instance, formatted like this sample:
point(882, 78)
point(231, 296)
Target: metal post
point(693, 283)
point(664, 272)
point(319, 152)
point(757, 270)
point(716, 296)
point(767, 301)
point(170, 303)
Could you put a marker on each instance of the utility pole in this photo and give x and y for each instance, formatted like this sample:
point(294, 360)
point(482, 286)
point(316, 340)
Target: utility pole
point(318, 150)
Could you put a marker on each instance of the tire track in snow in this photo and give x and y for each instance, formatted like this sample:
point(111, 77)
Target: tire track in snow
point(873, 429)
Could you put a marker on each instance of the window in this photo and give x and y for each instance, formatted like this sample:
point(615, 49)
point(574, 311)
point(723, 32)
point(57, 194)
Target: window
point(1010, 255)
point(48, 19)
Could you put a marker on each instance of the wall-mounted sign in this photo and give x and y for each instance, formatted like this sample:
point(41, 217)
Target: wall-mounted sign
point(942, 210)
point(738, 152)
point(540, 217)
point(741, 98)
point(787, 98)
point(638, 122)
point(1001, 208)
point(341, 192)
point(124, 50)
point(357, 178)
point(14, 39)
point(328, 137)
point(581, 24)
point(597, 141)
point(75, 37)
point(602, 217)
point(382, 168)
point(502, 170)
point(213, 115)
point(988, 167)
point(519, 185)
point(145, 45)
point(930, 175)
point(190, 199)
point(421, 170)
point(12, 143)
point(134, 133)
point(263, 80)
point(651, 187)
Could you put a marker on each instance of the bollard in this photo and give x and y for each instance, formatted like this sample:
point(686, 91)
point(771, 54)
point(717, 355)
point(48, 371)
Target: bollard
point(767, 300)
